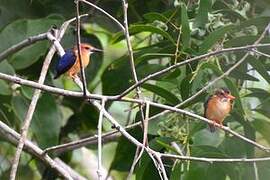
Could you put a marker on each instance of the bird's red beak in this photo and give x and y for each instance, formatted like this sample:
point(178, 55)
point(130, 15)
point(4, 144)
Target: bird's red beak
point(231, 97)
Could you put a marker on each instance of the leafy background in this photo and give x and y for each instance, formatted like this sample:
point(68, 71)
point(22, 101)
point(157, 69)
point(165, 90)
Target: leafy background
point(154, 26)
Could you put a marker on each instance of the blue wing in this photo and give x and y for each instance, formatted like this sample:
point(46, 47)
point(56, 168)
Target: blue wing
point(65, 63)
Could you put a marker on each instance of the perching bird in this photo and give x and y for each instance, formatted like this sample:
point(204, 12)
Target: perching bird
point(218, 106)
point(69, 62)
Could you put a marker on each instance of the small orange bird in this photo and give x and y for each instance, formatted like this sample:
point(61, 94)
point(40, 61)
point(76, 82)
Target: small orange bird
point(218, 106)
point(70, 63)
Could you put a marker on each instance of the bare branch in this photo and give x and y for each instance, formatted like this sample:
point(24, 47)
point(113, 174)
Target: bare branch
point(29, 114)
point(135, 78)
point(13, 137)
point(27, 42)
point(201, 57)
point(104, 12)
point(261, 53)
point(32, 106)
point(217, 160)
point(78, 38)
point(83, 142)
point(138, 153)
point(100, 120)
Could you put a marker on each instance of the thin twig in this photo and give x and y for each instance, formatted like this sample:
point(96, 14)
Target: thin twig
point(27, 42)
point(256, 175)
point(138, 153)
point(261, 53)
point(201, 57)
point(217, 160)
point(135, 78)
point(13, 137)
point(177, 45)
point(251, 47)
point(162, 168)
point(30, 112)
point(83, 142)
point(32, 106)
point(100, 120)
point(227, 129)
point(121, 129)
point(184, 112)
point(78, 38)
point(104, 12)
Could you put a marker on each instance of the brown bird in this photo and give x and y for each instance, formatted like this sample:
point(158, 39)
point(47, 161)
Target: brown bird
point(218, 106)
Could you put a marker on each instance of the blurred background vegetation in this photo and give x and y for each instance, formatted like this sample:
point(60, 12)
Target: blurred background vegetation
point(155, 25)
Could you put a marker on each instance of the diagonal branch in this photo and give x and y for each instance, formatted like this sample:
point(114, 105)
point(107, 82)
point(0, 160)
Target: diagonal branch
point(32, 106)
point(104, 12)
point(30, 112)
point(13, 137)
point(110, 135)
point(27, 42)
point(201, 57)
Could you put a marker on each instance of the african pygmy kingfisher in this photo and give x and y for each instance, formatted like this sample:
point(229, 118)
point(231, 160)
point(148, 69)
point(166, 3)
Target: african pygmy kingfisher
point(218, 106)
point(69, 62)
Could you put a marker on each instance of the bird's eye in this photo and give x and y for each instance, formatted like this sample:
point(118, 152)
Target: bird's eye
point(87, 48)
point(221, 93)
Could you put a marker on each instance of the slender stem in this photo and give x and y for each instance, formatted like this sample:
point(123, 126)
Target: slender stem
point(27, 42)
point(100, 120)
point(261, 53)
point(200, 57)
point(32, 106)
point(30, 112)
point(13, 137)
point(104, 12)
point(256, 175)
point(78, 35)
point(217, 160)
point(84, 142)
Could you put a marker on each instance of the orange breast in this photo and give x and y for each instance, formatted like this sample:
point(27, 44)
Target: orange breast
point(75, 69)
point(217, 110)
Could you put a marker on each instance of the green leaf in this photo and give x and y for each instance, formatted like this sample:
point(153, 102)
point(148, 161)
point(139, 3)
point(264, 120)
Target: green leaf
point(262, 126)
point(149, 56)
point(146, 169)
point(4, 88)
point(259, 93)
point(125, 152)
point(202, 15)
point(214, 37)
point(28, 55)
point(260, 22)
point(6, 68)
point(46, 120)
point(170, 97)
point(259, 67)
point(117, 77)
point(152, 16)
point(27, 92)
point(242, 75)
point(22, 29)
point(185, 26)
point(147, 69)
point(245, 40)
point(135, 29)
point(176, 171)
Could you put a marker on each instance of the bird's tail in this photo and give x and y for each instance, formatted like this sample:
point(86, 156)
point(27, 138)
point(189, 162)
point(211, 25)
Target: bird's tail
point(212, 128)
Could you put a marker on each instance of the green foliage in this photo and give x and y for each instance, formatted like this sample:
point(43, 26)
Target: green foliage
point(154, 27)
